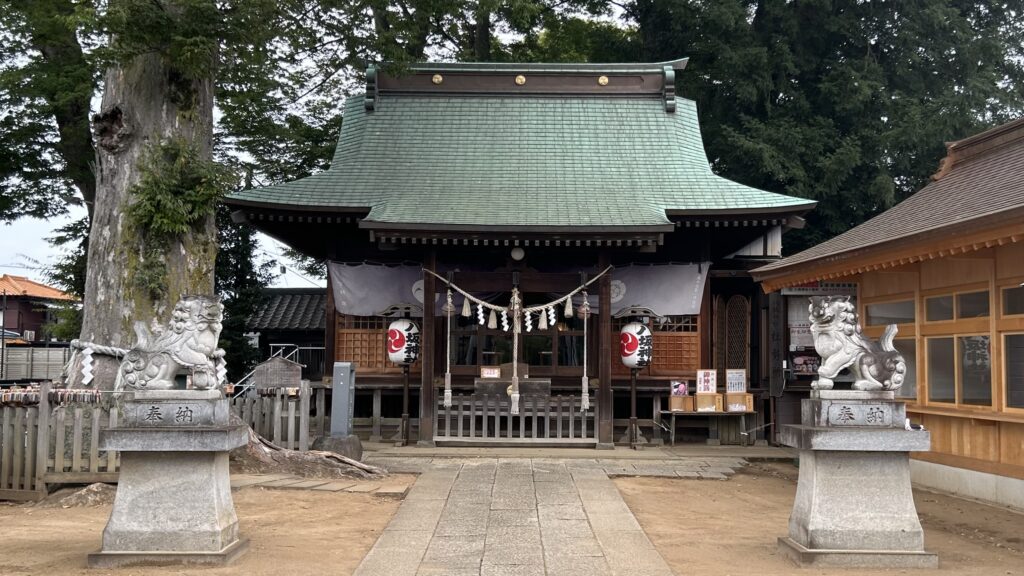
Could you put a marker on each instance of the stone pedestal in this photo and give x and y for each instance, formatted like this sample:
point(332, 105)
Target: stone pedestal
point(854, 505)
point(173, 502)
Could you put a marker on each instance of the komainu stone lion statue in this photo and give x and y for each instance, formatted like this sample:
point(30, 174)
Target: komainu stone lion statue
point(840, 343)
point(187, 346)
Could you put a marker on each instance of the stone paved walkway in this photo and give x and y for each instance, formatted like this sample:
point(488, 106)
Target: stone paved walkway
point(486, 516)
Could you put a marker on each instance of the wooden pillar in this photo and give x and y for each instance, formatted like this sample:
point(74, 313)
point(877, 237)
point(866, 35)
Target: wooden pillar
point(428, 403)
point(605, 398)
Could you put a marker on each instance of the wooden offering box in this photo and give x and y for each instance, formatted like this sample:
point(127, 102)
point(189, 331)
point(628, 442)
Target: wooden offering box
point(681, 403)
point(739, 402)
point(709, 402)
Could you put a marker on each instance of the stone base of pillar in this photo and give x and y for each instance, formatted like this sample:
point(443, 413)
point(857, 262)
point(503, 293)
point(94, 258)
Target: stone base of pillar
point(881, 559)
point(854, 506)
point(173, 503)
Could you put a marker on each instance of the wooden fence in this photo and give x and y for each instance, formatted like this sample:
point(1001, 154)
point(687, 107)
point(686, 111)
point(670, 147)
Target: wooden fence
point(282, 418)
point(542, 419)
point(33, 363)
point(42, 443)
point(52, 436)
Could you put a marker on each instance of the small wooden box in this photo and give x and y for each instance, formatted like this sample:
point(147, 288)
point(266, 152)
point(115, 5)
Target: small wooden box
point(709, 402)
point(680, 403)
point(739, 402)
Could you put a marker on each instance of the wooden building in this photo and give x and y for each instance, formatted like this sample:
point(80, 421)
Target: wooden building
point(27, 306)
point(947, 266)
point(537, 177)
point(290, 322)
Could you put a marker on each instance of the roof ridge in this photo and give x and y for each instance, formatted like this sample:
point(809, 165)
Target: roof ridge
point(979, 144)
point(559, 67)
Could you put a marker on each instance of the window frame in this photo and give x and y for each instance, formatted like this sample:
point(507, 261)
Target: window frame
point(1003, 368)
point(958, 402)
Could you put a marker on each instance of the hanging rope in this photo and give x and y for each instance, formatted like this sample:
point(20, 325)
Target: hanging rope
point(516, 310)
point(585, 390)
point(481, 304)
point(449, 308)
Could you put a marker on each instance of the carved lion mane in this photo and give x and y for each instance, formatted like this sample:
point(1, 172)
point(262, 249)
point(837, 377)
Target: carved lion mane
point(840, 343)
point(187, 346)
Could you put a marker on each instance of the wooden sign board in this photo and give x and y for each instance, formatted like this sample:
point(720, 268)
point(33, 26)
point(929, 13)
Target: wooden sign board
point(490, 372)
point(735, 380)
point(707, 381)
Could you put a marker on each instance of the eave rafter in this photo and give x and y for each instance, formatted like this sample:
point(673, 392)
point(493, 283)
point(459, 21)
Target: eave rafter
point(876, 260)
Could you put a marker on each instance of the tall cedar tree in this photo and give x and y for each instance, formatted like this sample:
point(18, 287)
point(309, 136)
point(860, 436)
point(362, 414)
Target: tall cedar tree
point(844, 102)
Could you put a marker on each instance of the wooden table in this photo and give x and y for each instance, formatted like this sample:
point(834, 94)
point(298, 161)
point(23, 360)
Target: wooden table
point(713, 438)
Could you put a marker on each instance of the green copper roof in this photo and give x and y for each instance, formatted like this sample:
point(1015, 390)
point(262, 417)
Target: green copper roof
point(520, 161)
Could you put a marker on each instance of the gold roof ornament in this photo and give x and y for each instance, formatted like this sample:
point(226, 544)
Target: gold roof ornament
point(437, 79)
point(602, 80)
point(520, 80)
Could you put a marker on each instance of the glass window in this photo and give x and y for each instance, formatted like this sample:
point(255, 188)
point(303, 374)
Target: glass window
point(975, 370)
point(890, 313)
point(908, 348)
point(537, 350)
point(1013, 301)
point(972, 305)
point(938, 308)
point(1013, 356)
point(941, 370)
point(497, 350)
point(465, 350)
point(570, 350)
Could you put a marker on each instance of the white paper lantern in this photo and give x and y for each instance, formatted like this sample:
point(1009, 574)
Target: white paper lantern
point(636, 345)
point(403, 342)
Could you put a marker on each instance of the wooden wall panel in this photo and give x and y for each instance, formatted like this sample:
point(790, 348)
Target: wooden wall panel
point(1010, 260)
point(884, 282)
point(1011, 443)
point(947, 272)
point(970, 438)
point(676, 354)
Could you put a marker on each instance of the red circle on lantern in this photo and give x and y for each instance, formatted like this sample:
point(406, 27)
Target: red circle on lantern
point(630, 343)
point(396, 340)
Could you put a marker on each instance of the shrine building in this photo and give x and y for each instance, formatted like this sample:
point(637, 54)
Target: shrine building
point(546, 183)
point(946, 266)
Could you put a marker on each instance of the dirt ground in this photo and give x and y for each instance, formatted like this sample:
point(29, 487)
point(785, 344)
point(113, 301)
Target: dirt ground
point(730, 527)
point(296, 532)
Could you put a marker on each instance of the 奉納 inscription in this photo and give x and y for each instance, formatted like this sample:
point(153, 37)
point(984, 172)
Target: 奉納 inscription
point(859, 415)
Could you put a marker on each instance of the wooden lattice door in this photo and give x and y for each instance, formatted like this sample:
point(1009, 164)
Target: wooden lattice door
point(732, 333)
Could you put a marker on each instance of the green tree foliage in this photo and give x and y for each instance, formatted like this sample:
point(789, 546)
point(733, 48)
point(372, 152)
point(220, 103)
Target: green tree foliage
point(46, 83)
point(845, 102)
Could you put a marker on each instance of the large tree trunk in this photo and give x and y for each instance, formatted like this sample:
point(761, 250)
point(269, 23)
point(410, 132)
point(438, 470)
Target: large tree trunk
point(145, 102)
point(482, 35)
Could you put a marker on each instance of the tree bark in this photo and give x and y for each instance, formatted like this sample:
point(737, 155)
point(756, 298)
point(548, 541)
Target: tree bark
point(482, 35)
point(145, 102)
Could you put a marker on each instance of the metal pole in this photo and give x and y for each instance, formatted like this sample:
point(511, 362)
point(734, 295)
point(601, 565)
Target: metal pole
point(633, 430)
point(3, 337)
point(405, 406)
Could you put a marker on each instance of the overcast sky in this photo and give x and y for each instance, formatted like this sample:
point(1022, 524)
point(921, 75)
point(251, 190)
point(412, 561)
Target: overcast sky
point(24, 250)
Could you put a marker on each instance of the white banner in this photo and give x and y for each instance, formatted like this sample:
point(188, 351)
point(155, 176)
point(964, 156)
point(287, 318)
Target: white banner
point(668, 289)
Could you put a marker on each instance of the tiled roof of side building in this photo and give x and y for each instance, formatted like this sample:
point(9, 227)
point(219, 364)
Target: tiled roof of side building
point(520, 160)
point(21, 286)
point(290, 309)
point(981, 177)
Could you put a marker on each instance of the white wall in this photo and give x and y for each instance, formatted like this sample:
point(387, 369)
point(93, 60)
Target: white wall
point(999, 490)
